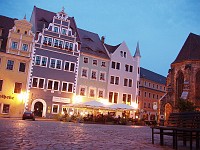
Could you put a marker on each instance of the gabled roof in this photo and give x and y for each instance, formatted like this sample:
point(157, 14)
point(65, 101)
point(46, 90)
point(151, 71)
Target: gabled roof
point(91, 44)
point(6, 24)
point(152, 76)
point(41, 17)
point(110, 48)
point(190, 49)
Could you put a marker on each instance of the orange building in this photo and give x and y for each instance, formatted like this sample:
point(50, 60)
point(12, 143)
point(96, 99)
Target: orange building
point(16, 44)
point(151, 89)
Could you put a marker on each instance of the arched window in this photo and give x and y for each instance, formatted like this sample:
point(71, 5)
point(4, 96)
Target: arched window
point(179, 84)
point(197, 86)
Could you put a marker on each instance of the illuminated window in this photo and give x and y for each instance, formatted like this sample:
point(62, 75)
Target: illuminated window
point(18, 87)
point(113, 97)
point(102, 76)
point(101, 93)
point(92, 92)
point(10, 64)
point(6, 108)
point(82, 91)
point(22, 67)
point(55, 108)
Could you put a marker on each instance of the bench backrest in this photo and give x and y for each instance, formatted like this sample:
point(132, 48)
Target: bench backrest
point(184, 120)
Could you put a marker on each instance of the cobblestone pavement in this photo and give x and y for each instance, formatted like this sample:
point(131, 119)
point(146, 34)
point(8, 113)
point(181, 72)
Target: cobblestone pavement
point(54, 135)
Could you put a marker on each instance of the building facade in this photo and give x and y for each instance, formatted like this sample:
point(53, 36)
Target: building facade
point(93, 68)
point(152, 88)
point(183, 80)
point(123, 75)
point(55, 67)
point(17, 41)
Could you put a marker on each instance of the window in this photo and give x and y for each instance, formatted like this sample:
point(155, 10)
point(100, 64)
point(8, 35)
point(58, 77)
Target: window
point(118, 66)
point(145, 105)
point(18, 87)
point(53, 85)
point(1, 85)
point(125, 82)
point(55, 29)
point(47, 41)
point(131, 69)
point(129, 98)
point(113, 65)
point(84, 73)
point(66, 45)
point(85, 60)
point(102, 76)
point(92, 92)
point(61, 44)
point(103, 64)
point(70, 33)
point(94, 75)
point(153, 95)
point(149, 105)
point(94, 62)
point(55, 108)
point(6, 108)
point(22, 67)
point(38, 82)
point(113, 97)
point(130, 83)
point(149, 95)
point(64, 31)
point(82, 91)
point(70, 46)
point(56, 43)
point(25, 47)
point(67, 87)
point(55, 63)
point(116, 80)
point(126, 67)
point(112, 78)
point(100, 93)
point(124, 98)
point(124, 54)
point(69, 66)
point(10, 64)
point(121, 53)
point(14, 45)
point(41, 61)
point(145, 94)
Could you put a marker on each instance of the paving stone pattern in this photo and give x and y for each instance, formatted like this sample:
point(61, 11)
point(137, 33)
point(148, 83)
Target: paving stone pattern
point(53, 135)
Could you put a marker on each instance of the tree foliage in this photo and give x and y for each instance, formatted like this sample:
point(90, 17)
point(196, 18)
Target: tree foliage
point(185, 106)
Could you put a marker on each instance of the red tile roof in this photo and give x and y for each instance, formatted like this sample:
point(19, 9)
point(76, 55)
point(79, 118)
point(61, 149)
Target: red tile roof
point(190, 49)
point(6, 24)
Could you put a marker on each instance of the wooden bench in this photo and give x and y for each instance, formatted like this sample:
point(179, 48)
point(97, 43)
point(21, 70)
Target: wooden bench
point(185, 126)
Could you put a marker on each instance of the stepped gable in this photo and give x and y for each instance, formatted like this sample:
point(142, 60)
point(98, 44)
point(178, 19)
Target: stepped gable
point(43, 17)
point(110, 48)
point(91, 44)
point(152, 76)
point(190, 49)
point(6, 24)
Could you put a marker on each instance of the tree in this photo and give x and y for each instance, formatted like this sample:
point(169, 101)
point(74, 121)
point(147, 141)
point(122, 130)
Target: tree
point(185, 106)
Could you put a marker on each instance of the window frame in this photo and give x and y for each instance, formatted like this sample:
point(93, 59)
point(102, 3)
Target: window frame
point(41, 60)
point(85, 91)
point(56, 63)
point(25, 50)
point(22, 68)
point(96, 74)
point(92, 88)
point(38, 82)
point(14, 45)
point(53, 108)
point(53, 84)
point(101, 72)
point(2, 112)
point(15, 87)
point(67, 87)
point(11, 66)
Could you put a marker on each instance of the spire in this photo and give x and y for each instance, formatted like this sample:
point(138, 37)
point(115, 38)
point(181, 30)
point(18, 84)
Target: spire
point(137, 52)
point(25, 17)
point(63, 9)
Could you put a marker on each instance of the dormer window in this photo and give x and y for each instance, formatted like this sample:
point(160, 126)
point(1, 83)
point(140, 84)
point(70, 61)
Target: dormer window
point(14, 45)
point(55, 29)
point(25, 47)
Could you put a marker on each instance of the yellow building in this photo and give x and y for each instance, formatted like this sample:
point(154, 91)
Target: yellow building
point(16, 46)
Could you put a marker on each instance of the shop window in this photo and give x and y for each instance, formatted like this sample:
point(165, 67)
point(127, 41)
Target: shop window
point(22, 67)
point(6, 108)
point(18, 87)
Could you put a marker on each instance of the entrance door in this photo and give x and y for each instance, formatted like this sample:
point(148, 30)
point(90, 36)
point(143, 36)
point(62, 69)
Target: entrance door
point(38, 108)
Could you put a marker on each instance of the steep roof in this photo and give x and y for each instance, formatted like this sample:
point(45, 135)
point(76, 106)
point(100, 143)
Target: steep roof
point(6, 24)
point(190, 49)
point(91, 44)
point(110, 48)
point(152, 76)
point(137, 51)
point(41, 17)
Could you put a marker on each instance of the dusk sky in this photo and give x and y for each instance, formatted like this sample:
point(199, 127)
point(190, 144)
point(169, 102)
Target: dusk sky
point(160, 26)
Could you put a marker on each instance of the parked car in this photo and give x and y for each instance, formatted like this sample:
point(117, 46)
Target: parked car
point(28, 115)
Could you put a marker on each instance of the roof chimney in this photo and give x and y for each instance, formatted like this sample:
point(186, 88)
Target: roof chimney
point(103, 39)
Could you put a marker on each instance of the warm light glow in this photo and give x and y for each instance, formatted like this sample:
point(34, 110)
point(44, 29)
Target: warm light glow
point(104, 101)
point(71, 113)
point(136, 117)
point(134, 105)
point(77, 99)
point(82, 114)
point(23, 96)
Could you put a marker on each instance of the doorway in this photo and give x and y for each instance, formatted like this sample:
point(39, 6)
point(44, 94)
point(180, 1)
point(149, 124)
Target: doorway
point(38, 108)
